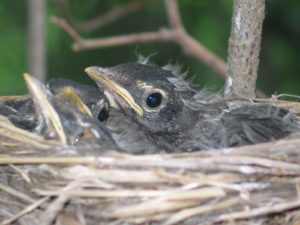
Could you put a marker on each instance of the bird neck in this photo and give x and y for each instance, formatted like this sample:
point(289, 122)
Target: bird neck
point(168, 141)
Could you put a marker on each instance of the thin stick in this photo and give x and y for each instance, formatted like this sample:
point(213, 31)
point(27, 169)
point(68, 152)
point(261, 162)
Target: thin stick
point(108, 17)
point(16, 193)
point(66, 27)
point(176, 34)
point(260, 211)
point(159, 36)
point(48, 160)
point(173, 14)
point(196, 211)
point(179, 195)
point(28, 209)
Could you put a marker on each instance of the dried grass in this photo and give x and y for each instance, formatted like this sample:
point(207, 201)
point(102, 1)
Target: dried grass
point(44, 182)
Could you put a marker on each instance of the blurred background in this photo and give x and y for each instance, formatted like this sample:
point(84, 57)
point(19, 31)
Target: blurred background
point(206, 20)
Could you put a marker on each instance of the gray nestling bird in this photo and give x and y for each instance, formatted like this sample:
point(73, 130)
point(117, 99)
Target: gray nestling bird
point(175, 116)
point(92, 97)
point(62, 116)
point(81, 111)
point(125, 133)
point(19, 110)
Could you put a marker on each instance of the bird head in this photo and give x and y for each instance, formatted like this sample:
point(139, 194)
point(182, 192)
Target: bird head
point(64, 116)
point(92, 97)
point(150, 95)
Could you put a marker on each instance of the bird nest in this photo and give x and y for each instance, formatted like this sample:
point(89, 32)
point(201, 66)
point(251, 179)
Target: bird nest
point(43, 182)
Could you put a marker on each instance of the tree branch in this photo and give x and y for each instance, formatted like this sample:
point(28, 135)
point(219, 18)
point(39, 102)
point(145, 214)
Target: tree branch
point(190, 45)
point(244, 48)
point(196, 49)
point(62, 23)
point(173, 14)
point(176, 33)
point(36, 38)
point(159, 36)
point(101, 20)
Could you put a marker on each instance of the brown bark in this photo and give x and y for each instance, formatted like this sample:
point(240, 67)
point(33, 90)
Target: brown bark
point(244, 48)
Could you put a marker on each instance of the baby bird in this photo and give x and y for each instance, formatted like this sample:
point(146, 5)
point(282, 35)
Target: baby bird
point(92, 97)
point(177, 117)
point(125, 133)
point(75, 114)
point(59, 115)
point(19, 110)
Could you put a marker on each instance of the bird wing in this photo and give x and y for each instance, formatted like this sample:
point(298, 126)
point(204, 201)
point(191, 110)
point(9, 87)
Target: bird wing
point(256, 124)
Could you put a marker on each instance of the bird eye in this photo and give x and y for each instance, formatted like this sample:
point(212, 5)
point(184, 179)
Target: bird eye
point(78, 137)
point(154, 100)
point(103, 115)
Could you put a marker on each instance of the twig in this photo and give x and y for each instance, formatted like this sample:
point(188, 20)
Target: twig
point(66, 27)
point(193, 47)
point(26, 210)
point(176, 33)
point(173, 14)
point(101, 20)
point(202, 193)
point(190, 45)
point(160, 36)
point(56, 206)
point(266, 210)
point(16, 193)
point(253, 159)
point(190, 212)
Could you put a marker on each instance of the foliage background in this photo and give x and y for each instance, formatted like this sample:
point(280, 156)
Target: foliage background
point(208, 21)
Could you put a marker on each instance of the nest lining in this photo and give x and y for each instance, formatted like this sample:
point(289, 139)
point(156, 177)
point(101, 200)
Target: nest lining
point(44, 182)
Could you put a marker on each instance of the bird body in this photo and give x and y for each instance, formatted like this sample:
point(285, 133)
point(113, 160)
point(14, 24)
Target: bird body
point(177, 117)
point(82, 113)
point(125, 133)
point(92, 97)
point(19, 110)
point(142, 109)
point(128, 134)
point(60, 115)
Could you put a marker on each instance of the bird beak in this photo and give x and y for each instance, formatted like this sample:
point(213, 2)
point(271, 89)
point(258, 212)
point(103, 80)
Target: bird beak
point(45, 109)
point(69, 96)
point(107, 79)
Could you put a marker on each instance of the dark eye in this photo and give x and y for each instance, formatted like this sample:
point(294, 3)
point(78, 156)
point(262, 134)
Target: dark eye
point(103, 115)
point(154, 100)
point(78, 137)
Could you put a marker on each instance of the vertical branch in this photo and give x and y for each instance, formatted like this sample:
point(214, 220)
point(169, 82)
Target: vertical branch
point(173, 14)
point(244, 48)
point(36, 36)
